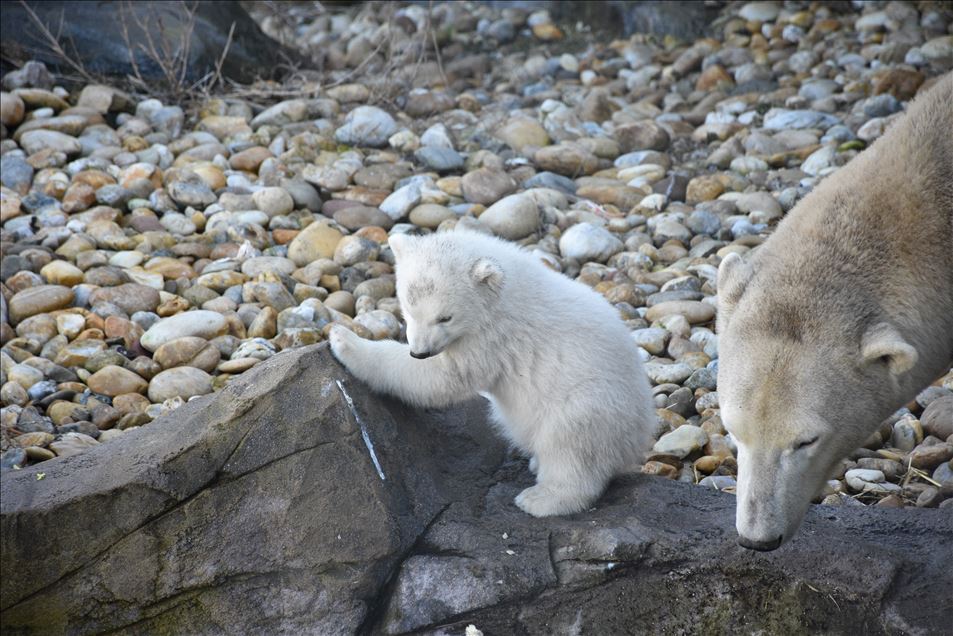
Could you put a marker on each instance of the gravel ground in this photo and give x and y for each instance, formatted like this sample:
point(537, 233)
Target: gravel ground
point(152, 252)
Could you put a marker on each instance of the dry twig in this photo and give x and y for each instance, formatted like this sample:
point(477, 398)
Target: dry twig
point(53, 41)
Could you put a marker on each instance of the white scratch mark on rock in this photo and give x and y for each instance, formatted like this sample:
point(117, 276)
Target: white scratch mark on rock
point(364, 435)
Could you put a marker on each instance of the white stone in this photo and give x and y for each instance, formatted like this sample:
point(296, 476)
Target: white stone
point(201, 323)
point(682, 442)
point(586, 242)
point(513, 217)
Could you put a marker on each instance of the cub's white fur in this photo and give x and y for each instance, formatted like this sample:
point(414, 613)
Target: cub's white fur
point(557, 364)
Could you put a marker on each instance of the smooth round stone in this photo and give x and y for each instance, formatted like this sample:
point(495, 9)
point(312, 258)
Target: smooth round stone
point(38, 300)
point(356, 217)
point(522, 132)
point(513, 217)
point(381, 324)
point(238, 365)
point(130, 297)
point(652, 339)
point(661, 373)
point(73, 444)
point(220, 281)
point(62, 273)
point(258, 348)
point(401, 201)
point(366, 126)
point(36, 140)
point(127, 259)
point(13, 393)
point(112, 380)
point(181, 382)
point(937, 418)
point(869, 480)
point(259, 265)
point(430, 215)
point(929, 457)
point(719, 482)
point(190, 351)
point(196, 194)
point(13, 458)
point(342, 301)
point(16, 174)
point(41, 328)
point(760, 11)
point(201, 323)
point(702, 379)
point(274, 295)
point(318, 240)
point(177, 223)
point(273, 201)
point(486, 186)
point(351, 250)
point(586, 242)
point(12, 109)
point(24, 375)
point(682, 442)
point(439, 159)
point(567, 160)
point(694, 311)
point(103, 359)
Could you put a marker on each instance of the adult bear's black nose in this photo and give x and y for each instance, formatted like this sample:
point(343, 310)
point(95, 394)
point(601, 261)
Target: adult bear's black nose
point(761, 546)
point(420, 356)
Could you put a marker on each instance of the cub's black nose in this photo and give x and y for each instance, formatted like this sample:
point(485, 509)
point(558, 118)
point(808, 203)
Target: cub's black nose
point(420, 356)
point(761, 546)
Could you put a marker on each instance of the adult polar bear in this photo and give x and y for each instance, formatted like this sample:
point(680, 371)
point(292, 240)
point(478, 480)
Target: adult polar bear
point(839, 319)
point(557, 363)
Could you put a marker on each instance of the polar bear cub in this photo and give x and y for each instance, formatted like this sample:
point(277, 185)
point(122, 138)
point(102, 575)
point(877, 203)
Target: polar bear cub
point(557, 364)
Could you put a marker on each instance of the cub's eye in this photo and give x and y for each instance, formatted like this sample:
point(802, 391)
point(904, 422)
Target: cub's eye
point(444, 318)
point(806, 443)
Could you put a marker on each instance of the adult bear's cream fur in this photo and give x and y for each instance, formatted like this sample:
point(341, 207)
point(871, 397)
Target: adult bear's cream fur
point(840, 318)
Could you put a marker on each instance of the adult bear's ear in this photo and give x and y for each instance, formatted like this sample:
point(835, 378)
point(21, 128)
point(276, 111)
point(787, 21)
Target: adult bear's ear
point(733, 277)
point(882, 343)
point(400, 244)
point(486, 271)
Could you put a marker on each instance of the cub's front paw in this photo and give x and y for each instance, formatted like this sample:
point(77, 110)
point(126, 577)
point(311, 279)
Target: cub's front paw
point(343, 343)
point(541, 501)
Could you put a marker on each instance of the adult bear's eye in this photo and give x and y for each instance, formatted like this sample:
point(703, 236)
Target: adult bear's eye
point(444, 318)
point(806, 443)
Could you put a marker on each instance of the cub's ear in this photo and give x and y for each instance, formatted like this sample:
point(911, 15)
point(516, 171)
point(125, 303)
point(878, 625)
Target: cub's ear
point(487, 271)
point(883, 343)
point(400, 244)
point(733, 277)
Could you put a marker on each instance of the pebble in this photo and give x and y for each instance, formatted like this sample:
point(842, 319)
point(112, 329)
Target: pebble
point(682, 442)
point(866, 480)
point(587, 242)
point(113, 380)
point(695, 312)
point(513, 217)
point(366, 126)
point(201, 323)
point(316, 241)
point(486, 186)
point(72, 444)
point(36, 300)
point(181, 382)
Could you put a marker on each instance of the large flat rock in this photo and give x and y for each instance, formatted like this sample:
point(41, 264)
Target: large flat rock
point(276, 506)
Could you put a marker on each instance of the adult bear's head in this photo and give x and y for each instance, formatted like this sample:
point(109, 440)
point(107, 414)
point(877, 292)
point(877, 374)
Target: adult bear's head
point(800, 387)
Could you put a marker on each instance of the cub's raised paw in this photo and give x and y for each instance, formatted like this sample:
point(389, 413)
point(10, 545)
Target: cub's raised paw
point(541, 501)
point(343, 342)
